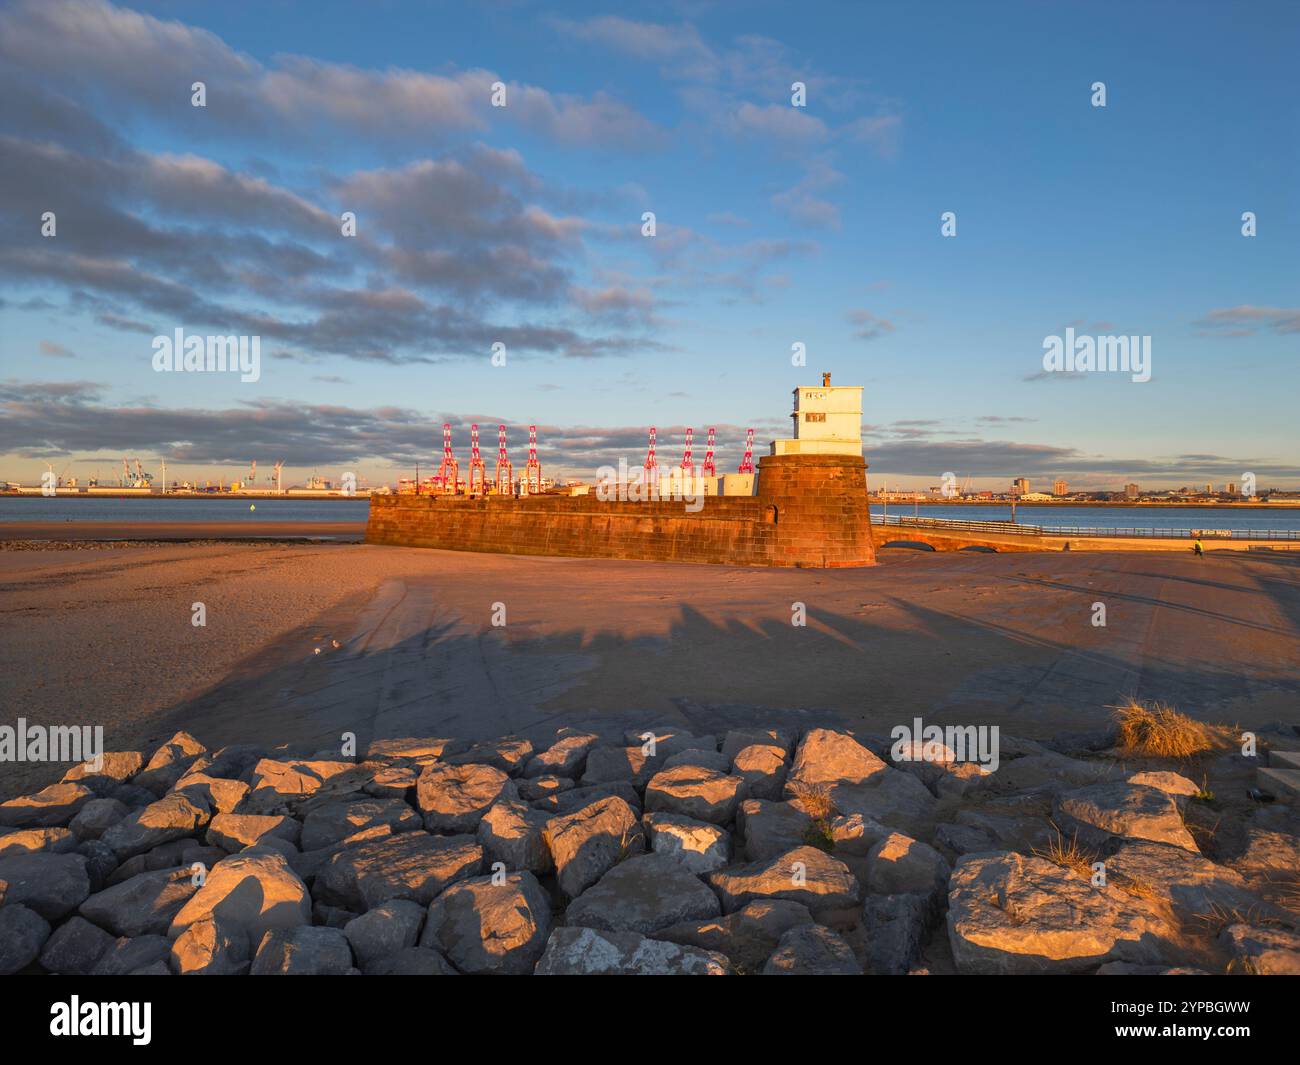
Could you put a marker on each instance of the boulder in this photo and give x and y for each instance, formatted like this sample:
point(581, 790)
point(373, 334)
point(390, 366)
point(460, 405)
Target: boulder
point(23, 932)
point(694, 791)
point(392, 782)
point(763, 768)
point(900, 865)
point(482, 926)
point(412, 865)
point(534, 788)
point(1189, 883)
point(278, 787)
point(453, 798)
point(564, 758)
point(1265, 852)
point(701, 759)
point(1262, 951)
point(380, 933)
point(891, 797)
point(211, 946)
point(336, 821)
point(51, 884)
point(571, 801)
point(768, 829)
point(100, 863)
point(1008, 913)
point(56, 805)
point(131, 954)
point(747, 937)
point(306, 950)
point(217, 793)
point(171, 817)
point(234, 832)
point(629, 765)
point(38, 841)
point(144, 905)
point(828, 758)
point(642, 894)
point(1175, 785)
point(584, 845)
point(511, 832)
point(249, 893)
point(855, 835)
point(115, 767)
point(510, 755)
point(75, 947)
point(96, 817)
point(894, 929)
point(169, 763)
point(812, 950)
point(587, 952)
point(1132, 811)
point(700, 846)
point(736, 740)
point(422, 749)
point(804, 874)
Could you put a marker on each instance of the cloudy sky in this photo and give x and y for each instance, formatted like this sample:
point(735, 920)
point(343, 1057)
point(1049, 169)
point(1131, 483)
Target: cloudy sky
point(775, 225)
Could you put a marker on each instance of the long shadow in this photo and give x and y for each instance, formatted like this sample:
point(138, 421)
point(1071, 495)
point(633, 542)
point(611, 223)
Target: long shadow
point(711, 675)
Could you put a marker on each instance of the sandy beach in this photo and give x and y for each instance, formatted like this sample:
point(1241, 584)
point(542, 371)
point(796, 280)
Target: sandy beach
point(104, 636)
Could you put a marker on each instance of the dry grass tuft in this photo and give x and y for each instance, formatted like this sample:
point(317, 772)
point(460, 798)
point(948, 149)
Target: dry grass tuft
point(815, 801)
point(1160, 731)
point(1068, 855)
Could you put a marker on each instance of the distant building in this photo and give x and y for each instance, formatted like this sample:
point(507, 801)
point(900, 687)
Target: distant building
point(1020, 486)
point(1060, 487)
point(1230, 488)
point(1131, 491)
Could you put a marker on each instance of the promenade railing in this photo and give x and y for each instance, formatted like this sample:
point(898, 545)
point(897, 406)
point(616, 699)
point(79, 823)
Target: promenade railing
point(1086, 532)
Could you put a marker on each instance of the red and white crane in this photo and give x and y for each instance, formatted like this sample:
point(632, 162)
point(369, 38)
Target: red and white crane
point(533, 469)
point(747, 463)
point(688, 466)
point(709, 469)
point(651, 469)
point(505, 472)
point(448, 472)
point(477, 481)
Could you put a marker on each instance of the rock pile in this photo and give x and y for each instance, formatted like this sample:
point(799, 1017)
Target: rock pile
point(757, 851)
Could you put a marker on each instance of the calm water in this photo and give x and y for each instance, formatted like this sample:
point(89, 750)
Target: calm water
point(38, 508)
point(1157, 517)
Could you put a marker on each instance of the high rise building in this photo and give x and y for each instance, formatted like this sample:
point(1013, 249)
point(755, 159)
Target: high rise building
point(1020, 486)
point(1131, 491)
point(1060, 487)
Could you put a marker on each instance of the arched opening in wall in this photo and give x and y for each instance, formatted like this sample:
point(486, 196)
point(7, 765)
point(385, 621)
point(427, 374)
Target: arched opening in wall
point(983, 549)
point(911, 545)
point(769, 515)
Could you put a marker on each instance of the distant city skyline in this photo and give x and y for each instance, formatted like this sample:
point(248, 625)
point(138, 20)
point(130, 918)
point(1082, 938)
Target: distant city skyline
point(775, 226)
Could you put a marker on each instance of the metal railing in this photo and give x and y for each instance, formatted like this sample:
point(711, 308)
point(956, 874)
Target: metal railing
point(1088, 532)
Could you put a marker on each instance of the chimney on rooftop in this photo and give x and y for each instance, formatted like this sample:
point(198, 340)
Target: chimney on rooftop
point(826, 380)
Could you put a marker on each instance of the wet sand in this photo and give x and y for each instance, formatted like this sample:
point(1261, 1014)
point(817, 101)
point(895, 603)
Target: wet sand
point(105, 637)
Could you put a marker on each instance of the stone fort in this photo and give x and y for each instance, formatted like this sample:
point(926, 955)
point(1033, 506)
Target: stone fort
point(806, 507)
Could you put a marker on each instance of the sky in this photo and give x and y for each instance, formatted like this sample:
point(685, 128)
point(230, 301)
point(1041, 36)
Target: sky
point(775, 225)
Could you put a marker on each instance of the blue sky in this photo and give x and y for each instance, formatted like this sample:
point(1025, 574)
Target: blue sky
point(775, 225)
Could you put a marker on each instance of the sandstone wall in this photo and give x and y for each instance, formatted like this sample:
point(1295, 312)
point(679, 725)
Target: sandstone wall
point(809, 511)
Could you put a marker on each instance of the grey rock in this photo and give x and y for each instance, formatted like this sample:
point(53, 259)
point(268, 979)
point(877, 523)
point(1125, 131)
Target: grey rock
point(694, 791)
point(587, 952)
point(143, 905)
point(510, 755)
point(642, 894)
point(303, 951)
point(97, 816)
point(37, 841)
point(23, 932)
point(412, 865)
point(382, 932)
point(211, 946)
point(700, 846)
point(483, 926)
point(129, 954)
point(900, 865)
point(511, 832)
point(337, 821)
point(454, 798)
point(564, 758)
point(1262, 951)
point(811, 950)
point(763, 768)
point(413, 961)
point(75, 947)
point(894, 931)
point(747, 937)
point(584, 845)
point(56, 805)
point(234, 832)
point(51, 884)
point(171, 817)
point(1132, 811)
point(768, 829)
point(251, 893)
point(805, 875)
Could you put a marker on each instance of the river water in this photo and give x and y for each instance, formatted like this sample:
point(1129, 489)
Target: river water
point(1149, 517)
